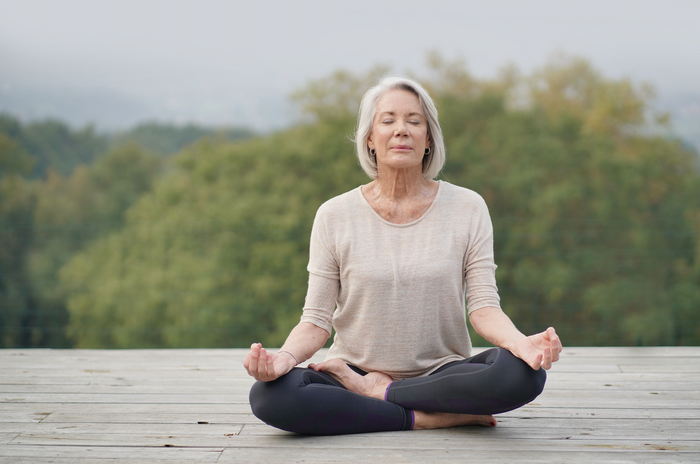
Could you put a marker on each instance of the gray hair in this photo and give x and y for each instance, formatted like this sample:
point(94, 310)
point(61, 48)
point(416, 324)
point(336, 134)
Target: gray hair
point(434, 161)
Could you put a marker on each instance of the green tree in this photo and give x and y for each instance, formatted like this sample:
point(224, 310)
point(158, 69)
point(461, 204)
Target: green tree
point(590, 214)
point(596, 218)
point(71, 212)
point(53, 144)
point(166, 139)
point(16, 204)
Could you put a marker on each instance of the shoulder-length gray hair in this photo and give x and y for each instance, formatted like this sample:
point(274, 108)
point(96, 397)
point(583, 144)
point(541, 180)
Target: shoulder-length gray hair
point(432, 162)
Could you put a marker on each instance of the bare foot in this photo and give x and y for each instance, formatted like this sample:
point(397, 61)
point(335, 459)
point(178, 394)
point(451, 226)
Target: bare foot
point(440, 420)
point(373, 384)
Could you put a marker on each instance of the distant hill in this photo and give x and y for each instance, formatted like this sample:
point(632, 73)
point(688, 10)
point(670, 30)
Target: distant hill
point(169, 138)
point(52, 143)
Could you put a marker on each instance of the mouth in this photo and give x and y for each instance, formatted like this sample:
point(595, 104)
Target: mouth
point(401, 147)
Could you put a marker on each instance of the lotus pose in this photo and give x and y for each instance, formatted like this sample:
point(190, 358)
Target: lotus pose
point(391, 266)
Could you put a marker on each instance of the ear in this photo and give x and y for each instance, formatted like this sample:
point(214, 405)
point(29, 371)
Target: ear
point(370, 144)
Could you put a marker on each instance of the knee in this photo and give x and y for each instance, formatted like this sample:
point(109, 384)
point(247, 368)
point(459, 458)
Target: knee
point(535, 382)
point(266, 402)
point(523, 382)
point(284, 403)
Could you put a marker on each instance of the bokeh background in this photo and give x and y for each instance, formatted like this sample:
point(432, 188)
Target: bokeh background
point(161, 161)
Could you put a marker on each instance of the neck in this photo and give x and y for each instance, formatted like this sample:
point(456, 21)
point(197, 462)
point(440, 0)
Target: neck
point(400, 184)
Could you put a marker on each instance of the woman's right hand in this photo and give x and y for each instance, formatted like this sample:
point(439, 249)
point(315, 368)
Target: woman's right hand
point(265, 366)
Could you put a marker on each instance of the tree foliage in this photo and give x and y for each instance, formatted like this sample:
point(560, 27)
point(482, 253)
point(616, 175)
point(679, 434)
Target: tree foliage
point(69, 213)
point(166, 139)
point(53, 144)
point(594, 220)
point(16, 204)
point(60, 189)
point(597, 220)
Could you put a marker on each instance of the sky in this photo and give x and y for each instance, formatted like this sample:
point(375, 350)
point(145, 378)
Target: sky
point(116, 63)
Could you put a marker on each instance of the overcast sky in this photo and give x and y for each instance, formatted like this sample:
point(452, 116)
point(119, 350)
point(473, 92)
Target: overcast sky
point(227, 62)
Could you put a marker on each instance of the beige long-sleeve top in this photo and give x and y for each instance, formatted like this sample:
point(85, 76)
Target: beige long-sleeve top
point(395, 293)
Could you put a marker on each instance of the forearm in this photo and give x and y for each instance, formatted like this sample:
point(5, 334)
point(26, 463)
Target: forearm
point(496, 327)
point(304, 341)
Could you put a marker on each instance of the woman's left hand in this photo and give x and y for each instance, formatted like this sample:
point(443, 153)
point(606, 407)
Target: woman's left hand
point(539, 350)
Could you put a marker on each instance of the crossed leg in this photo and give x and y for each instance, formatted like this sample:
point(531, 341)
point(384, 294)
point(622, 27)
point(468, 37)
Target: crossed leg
point(332, 398)
point(376, 384)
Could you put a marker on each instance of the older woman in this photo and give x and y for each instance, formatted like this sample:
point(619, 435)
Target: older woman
point(391, 263)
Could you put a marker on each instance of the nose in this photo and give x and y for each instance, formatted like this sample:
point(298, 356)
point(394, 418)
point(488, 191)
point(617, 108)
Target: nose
point(401, 128)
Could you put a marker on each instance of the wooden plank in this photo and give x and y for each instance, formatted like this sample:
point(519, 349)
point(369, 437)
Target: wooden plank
point(7, 437)
point(670, 377)
point(23, 416)
point(179, 417)
point(77, 460)
point(650, 362)
point(525, 439)
point(466, 442)
point(511, 429)
point(205, 389)
point(662, 368)
point(492, 456)
point(637, 351)
point(582, 429)
point(121, 379)
point(528, 412)
point(153, 428)
point(110, 409)
point(552, 385)
point(547, 399)
point(107, 371)
point(164, 398)
point(600, 404)
point(151, 454)
point(691, 397)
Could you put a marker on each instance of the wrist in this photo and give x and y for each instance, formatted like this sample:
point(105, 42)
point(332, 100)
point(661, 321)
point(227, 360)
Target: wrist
point(290, 356)
point(511, 344)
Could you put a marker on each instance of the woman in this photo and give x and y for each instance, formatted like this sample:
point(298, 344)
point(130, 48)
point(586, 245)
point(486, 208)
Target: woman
point(390, 265)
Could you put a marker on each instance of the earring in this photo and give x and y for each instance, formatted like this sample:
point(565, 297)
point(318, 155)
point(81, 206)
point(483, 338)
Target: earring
point(373, 152)
point(427, 151)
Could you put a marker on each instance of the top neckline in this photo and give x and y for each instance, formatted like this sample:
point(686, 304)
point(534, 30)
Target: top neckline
point(408, 224)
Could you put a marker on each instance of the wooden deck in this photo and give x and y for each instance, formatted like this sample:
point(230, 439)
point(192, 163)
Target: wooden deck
point(601, 405)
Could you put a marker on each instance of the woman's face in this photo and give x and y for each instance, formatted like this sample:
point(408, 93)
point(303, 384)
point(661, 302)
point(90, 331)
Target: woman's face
point(399, 131)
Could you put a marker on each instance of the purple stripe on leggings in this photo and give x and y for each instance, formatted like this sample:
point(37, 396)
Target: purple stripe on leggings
point(413, 419)
point(386, 392)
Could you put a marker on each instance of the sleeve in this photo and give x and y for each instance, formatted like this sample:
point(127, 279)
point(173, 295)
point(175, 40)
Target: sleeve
point(322, 261)
point(324, 277)
point(320, 302)
point(479, 265)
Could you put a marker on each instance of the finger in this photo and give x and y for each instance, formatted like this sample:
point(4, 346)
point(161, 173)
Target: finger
point(262, 364)
point(555, 344)
point(552, 335)
point(537, 362)
point(556, 349)
point(253, 360)
point(556, 341)
point(547, 360)
point(254, 348)
point(270, 367)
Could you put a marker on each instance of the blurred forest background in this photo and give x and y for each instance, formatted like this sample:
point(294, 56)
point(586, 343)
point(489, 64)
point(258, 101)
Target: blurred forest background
point(172, 236)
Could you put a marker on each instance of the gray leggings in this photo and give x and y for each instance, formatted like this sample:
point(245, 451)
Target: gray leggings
point(314, 403)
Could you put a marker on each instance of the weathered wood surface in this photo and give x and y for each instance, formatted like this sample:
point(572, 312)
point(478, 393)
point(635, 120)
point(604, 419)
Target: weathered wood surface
point(616, 405)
